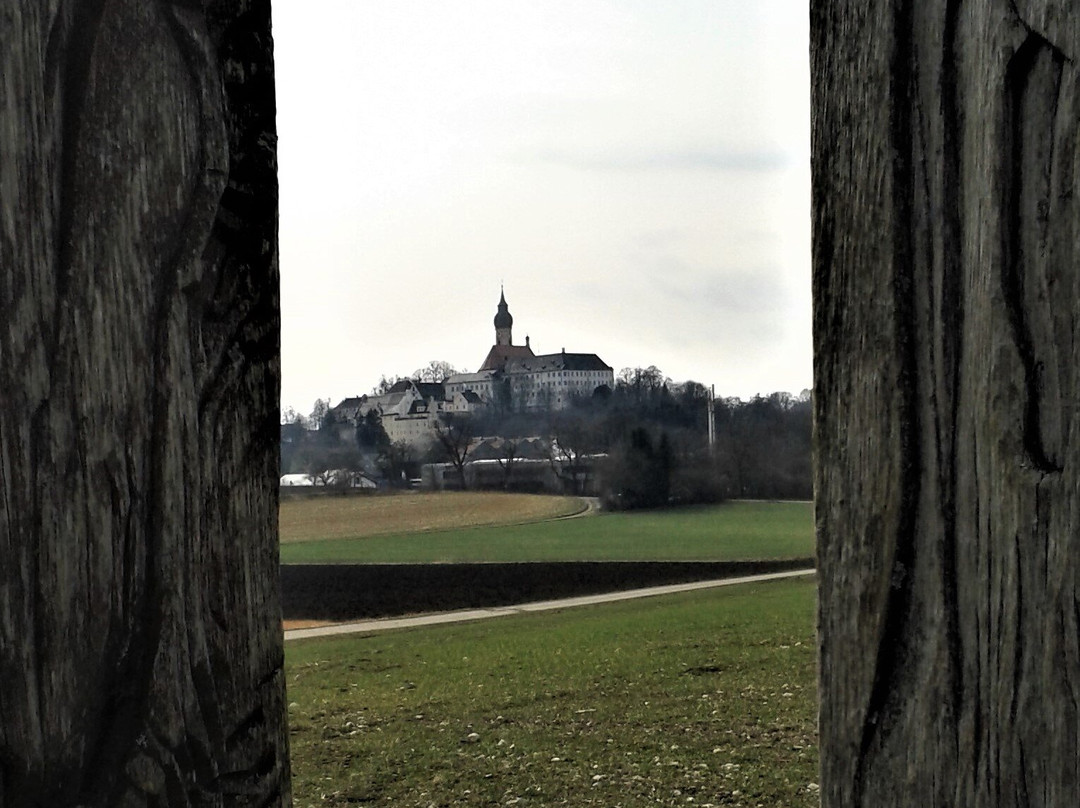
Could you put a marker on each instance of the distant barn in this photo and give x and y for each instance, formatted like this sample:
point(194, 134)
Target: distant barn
point(337, 478)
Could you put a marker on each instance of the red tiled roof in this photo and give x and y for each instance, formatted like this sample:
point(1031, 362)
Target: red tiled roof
point(499, 354)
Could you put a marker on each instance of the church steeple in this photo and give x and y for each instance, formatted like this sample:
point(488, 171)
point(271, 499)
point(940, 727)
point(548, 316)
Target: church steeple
point(504, 350)
point(503, 322)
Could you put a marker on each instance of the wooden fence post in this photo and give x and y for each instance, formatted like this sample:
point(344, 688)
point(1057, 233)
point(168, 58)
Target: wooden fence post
point(947, 362)
point(140, 635)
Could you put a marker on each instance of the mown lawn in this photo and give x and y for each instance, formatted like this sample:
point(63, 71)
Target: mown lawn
point(701, 699)
point(732, 531)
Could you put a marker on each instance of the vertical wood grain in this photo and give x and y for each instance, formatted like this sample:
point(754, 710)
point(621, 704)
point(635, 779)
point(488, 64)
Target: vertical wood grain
point(946, 276)
point(140, 643)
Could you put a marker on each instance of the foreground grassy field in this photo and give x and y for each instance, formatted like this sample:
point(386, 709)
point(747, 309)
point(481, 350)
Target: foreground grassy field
point(334, 517)
point(732, 531)
point(703, 699)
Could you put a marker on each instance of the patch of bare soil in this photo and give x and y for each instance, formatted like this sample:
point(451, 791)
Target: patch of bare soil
point(346, 517)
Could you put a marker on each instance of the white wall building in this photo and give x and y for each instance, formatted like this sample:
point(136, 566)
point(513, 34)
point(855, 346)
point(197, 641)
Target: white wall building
point(528, 381)
point(407, 410)
point(511, 376)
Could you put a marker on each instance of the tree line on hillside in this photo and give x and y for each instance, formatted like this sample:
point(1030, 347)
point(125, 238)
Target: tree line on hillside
point(643, 443)
point(655, 434)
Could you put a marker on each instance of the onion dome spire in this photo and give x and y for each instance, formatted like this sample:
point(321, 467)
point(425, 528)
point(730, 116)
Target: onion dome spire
point(503, 322)
point(503, 318)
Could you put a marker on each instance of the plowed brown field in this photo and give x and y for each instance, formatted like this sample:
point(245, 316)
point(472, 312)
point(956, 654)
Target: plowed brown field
point(346, 517)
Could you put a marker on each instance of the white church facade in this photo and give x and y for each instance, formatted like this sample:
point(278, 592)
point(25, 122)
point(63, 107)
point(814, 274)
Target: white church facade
point(532, 382)
point(511, 376)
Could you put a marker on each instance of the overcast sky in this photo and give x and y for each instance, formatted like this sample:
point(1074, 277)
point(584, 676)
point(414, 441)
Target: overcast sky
point(634, 172)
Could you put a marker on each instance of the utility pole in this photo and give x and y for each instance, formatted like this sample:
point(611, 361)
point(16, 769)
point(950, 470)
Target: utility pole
point(712, 418)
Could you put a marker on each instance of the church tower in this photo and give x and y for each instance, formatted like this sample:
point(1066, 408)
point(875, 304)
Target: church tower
point(504, 348)
point(503, 322)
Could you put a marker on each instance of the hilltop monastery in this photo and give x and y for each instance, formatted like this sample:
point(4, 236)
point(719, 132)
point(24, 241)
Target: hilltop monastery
point(511, 376)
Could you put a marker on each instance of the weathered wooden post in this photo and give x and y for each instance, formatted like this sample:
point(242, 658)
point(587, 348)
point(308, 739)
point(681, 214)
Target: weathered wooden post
point(140, 642)
point(947, 332)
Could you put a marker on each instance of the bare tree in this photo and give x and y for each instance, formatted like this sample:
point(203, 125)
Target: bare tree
point(507, 457)
point(333, 466)
point(572, 441)
point(140, 634)
point(320, 475)
point(384, 385)
point(454, 434)
point(399, 461)
point(946, 275)
point(320, 413)
point(291, 416)
point(436, 371)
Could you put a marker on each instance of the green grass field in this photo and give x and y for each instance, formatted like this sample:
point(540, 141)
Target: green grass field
point(732, 531)
point(702, 699)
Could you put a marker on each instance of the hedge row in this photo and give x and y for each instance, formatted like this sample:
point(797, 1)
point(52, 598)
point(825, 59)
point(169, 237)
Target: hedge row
point(356, 591)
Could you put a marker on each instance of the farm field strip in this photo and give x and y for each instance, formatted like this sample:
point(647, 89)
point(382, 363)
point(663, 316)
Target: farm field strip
point(731, 531)
point(352, 517)
point(705, 698)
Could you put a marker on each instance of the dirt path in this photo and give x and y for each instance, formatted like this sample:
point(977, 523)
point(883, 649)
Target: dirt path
point(592, 508)
point(388, 623)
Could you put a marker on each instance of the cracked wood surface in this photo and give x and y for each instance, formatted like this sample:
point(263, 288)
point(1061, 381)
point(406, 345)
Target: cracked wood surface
point(140, 642)
point(946, 280)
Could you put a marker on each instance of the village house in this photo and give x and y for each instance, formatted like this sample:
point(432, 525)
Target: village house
point(407, 410)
